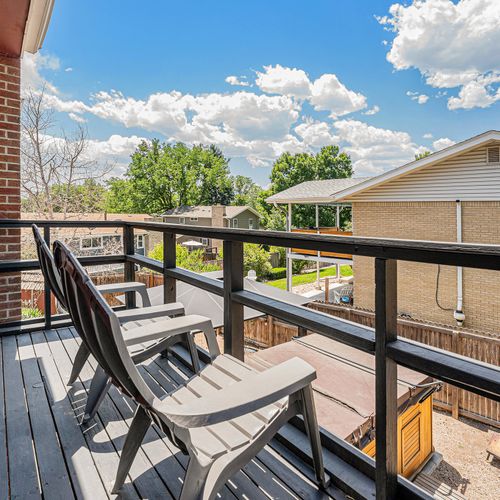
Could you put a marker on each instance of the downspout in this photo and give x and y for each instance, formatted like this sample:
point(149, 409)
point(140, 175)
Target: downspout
point(459, 314)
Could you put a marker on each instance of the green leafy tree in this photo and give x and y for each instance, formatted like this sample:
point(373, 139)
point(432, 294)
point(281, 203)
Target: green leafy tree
point(292, 169)
point(246, 191)
point(188, 260)
point(120, 197)
point(164, 176)
point(419, 156)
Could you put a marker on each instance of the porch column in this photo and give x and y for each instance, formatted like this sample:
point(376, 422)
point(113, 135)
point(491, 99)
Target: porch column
point(318, 285)
point(10, 195)
point(288, 250)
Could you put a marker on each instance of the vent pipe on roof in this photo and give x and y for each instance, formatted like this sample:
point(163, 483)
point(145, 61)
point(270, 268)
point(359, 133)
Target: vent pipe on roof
point(459, 314)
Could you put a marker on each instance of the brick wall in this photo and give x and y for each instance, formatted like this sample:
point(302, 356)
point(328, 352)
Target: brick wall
point(435, 221)
point(10, 199)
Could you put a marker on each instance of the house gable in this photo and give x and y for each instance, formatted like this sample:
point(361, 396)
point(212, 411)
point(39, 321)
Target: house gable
point(473, 175)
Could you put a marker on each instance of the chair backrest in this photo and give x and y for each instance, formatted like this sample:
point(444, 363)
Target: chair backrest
point(48, 267)
point(101, 328)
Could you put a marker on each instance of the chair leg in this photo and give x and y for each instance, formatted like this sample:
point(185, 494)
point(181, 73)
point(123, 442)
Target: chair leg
point(193, 352)
point(80, 359)
point(98, 389)
point(195, 481)
point(311, 422)
point(138, 428)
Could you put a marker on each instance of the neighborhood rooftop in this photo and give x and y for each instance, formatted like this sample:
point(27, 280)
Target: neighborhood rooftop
point(314, 191)
point(201, 211)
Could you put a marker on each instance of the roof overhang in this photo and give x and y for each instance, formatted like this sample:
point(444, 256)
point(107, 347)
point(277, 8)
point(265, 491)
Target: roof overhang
point(23, 25)
point(456, 149)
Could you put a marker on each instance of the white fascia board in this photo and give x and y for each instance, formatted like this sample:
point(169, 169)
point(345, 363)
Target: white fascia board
point(37, 24)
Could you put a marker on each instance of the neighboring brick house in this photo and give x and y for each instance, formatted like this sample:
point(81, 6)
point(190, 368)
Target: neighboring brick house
point(23, 24)
point(242, 217)
point(451, 195)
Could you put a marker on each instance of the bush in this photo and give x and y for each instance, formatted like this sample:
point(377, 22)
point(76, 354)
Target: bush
point(186, 259)
point(31, 312)
point(257, 259)
point(277, 273)
point(298, 266)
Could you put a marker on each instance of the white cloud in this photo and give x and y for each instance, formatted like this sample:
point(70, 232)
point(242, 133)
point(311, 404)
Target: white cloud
point(285, 81)
point(31, 65)
point(453, 44)
point(315, 133)
point(326, 93)
point(428, 136)
point(372, 111)
point(442, 143)
point(77, 118)
point(375, 150)
point(238, 81)
point(329, 94)
point(68, 70)
point(415, 96)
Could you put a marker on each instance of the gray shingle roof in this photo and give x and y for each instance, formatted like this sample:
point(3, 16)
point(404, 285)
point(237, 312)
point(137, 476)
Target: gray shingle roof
point(314, 191)
point(206, 211)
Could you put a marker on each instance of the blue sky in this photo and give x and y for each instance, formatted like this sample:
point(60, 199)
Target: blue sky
point(383, 82)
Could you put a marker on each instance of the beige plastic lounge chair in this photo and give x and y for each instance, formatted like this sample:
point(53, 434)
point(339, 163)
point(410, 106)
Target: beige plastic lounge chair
point(222, 417)
point(141, 344)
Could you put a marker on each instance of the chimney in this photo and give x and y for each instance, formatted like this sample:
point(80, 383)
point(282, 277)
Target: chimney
point(218, 213)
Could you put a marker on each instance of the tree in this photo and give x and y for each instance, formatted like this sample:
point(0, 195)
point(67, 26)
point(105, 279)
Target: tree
point(419, 156)
point(290, 170)
point(164, 176)
point(187, 260)
point(246, 191)
point(58, 173)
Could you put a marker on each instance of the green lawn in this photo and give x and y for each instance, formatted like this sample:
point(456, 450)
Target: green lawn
point(310, 277)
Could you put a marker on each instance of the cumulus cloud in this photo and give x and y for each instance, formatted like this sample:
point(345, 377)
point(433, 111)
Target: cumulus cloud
point(327, 93)
point(286, 81)
point(428, 136)
point(316, 133)
point(452, 44)
point(238, 81)
point(375, 150)
point(442, 143)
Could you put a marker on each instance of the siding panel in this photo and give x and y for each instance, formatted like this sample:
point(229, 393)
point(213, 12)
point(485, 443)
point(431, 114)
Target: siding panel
point(466, 177)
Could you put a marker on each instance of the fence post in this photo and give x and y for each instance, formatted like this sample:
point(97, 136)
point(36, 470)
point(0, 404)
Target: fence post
point(169, 262)
point(129, 267)
point(47, 306)
point(233, 312)
point(455, 391)
point(386, 410)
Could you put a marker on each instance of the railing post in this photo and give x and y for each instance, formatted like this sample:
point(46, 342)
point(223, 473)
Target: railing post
point(47, 294)
point(169, 261)
point(129, 267)
point(233, 312)
point(386, 409)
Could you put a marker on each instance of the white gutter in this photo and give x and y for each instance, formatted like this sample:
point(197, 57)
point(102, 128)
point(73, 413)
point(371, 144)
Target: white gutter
point(36, 26)
point(459, 314)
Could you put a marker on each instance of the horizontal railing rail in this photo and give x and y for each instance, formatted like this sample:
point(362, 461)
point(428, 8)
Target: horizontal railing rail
point(389, 350)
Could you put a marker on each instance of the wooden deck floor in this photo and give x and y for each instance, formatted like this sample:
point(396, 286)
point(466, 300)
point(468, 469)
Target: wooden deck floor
point(44, 452)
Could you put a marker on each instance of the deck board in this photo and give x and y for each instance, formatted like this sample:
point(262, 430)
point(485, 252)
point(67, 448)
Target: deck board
point(45, 452)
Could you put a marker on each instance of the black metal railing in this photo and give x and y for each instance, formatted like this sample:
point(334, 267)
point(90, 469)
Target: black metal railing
point(389, 349)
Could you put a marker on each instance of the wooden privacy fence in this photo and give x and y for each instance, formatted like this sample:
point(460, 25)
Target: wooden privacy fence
point(466, 343)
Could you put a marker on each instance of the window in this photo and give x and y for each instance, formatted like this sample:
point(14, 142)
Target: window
point(139, 241)
point(204, 241)
point(250, 223)
point(235, 222)
point(193, 219)
point(182, 220)
point(91, 242)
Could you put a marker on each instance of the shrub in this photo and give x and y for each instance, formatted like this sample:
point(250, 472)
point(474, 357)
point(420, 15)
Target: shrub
point(186, 259)
point(277, 273)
